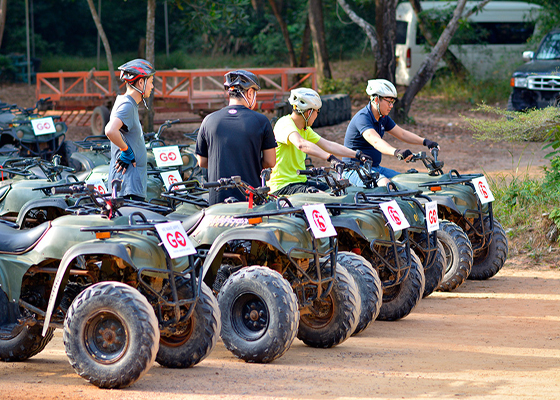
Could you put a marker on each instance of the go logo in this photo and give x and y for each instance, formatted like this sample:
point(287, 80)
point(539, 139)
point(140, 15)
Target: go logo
point(176, 239)
point(432, 216)
point(394, 215)
point(168, 156)
point(482, 189)
point(319, 221)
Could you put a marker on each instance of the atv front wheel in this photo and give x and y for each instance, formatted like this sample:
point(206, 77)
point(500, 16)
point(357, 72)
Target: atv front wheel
point(458, 255)
point(399, 300)
point(200, 335)
point(369, 287)
point(488, 261)
point(111, 335)
point(434, 272)
point(330, 321)
point(259, 314)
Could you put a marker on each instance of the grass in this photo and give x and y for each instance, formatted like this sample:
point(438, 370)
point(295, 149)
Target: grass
point(177, 60)
point(527, 208)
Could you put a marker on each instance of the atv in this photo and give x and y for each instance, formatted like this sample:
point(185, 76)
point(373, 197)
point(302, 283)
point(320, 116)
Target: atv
point(273, 279)
point(33, 136)
point(105, 279)
point(364, 232)
point(459, 203)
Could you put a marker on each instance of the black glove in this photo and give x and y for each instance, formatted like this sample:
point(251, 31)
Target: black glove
point(333, 160)
point(362, 157)
point(430, 144)
point(125, 159)
point(402, 154)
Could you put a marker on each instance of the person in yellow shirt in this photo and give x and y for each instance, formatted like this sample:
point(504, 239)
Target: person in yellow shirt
point(296, 139)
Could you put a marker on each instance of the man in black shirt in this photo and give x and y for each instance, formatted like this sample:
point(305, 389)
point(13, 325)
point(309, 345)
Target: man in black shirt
point(236, 140)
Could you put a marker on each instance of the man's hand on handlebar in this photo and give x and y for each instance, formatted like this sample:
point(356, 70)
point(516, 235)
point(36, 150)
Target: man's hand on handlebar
point(405, 155)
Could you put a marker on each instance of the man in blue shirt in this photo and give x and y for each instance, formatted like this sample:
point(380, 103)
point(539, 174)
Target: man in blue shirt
point(367, 128)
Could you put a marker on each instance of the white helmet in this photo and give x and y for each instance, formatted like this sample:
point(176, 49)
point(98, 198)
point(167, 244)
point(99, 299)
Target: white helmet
point(303, 99)
point(381, 87)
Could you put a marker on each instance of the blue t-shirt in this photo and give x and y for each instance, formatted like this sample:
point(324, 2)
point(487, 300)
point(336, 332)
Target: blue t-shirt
point(362, 121)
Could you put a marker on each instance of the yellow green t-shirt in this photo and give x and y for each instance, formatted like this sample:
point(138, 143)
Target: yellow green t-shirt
point(288, 157)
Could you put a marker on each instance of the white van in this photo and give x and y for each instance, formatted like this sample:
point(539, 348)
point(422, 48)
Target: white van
point(498, 34)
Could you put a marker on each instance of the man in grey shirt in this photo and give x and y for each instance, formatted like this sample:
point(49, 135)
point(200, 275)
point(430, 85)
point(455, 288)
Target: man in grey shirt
point(128, 149)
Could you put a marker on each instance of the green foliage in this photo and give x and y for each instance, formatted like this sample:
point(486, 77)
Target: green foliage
point(534, 125)
point(521, 201)
point(469, 90)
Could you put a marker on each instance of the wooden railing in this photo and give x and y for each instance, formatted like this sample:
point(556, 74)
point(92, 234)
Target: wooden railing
point(190, 90)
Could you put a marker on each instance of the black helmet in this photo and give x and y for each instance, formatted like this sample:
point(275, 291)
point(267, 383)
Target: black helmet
point(135, 69)
point(241, 79)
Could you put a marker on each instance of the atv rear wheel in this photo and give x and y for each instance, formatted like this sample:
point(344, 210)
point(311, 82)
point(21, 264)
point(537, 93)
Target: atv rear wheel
point(331, 321)
point(399, 300)
point(259, 314)
point(111, 335)
point(489, 261)
point(27, 343)
point(458, 255)
point(369, 287)
point(199, 338)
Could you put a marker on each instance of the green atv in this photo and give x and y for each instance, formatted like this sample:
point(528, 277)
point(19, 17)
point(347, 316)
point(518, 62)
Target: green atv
point(363, 230)
point(274, 280)
point(459, 203)
point(105, 279)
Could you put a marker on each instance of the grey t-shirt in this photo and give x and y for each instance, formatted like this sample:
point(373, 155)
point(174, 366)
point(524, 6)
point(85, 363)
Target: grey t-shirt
point(134, 180)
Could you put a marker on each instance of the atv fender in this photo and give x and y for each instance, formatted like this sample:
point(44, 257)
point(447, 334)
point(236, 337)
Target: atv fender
point(349, 224)
point(80, 249)
point(259, 235)
point(55, 202)
point(447, 202)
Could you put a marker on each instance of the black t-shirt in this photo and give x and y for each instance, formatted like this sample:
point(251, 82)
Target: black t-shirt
point(233, 139)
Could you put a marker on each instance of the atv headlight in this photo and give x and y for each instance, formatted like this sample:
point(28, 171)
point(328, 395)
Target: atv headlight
point(59, 127)
point(19, 134)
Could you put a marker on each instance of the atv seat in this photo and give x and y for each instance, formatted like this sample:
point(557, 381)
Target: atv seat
point(17, 241)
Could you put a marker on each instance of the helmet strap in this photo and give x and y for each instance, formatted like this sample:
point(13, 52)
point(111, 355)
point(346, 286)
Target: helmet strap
point(247, 101)
point(377, 105)
point(142, 92)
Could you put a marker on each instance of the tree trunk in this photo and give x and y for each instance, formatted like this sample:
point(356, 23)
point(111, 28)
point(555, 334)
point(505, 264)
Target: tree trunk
point(367, 28)
point(3, 9)
point(112, 80)
point(428, 67)
point(305, 42)
point(385, 24)
point(320, 52)
point(452, 62)
point(151, 57)
point(285, 34)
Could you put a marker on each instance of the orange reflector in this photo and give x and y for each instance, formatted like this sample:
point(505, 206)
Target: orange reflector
point(254, 221)
point(102, 235)
point(435, 188)
point(512, 82)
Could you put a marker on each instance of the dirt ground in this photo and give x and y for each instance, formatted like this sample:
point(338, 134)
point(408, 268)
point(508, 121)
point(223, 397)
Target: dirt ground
point(494, 339)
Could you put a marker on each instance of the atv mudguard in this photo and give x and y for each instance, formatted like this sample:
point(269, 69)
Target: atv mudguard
point(49, 202)
point(81, 249)
point(447, 202)
point(213, 257)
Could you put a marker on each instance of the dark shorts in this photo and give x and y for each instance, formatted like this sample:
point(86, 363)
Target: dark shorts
point(300, 187)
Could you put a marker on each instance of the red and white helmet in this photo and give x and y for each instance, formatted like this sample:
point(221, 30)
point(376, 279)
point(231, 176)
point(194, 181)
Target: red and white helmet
point(136, 69)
